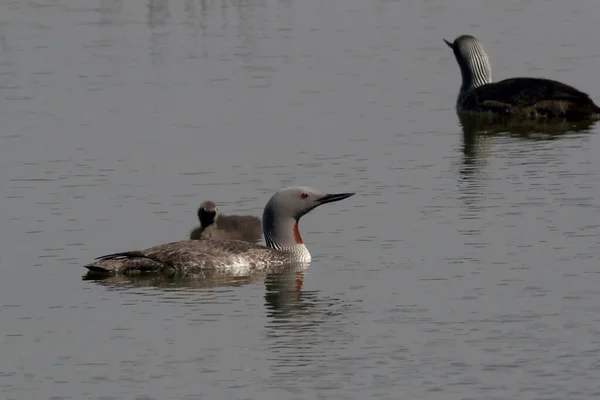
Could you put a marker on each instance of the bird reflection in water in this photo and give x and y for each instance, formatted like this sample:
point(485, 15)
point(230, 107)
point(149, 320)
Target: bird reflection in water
point(299, 325)
point(479, 134)
point(478, 129)
point(284, 297)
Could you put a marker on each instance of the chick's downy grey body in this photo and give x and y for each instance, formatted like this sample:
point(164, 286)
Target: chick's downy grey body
point(216, 226)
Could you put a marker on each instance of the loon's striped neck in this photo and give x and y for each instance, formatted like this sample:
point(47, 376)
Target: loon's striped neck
point(474, 64)
point(281, 233)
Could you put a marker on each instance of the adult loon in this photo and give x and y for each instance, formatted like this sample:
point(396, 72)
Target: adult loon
point(217, 226)
point(280, 228)
point(519, 97)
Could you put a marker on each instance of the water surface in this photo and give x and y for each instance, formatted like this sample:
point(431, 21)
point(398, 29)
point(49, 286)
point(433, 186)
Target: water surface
point(464, 268)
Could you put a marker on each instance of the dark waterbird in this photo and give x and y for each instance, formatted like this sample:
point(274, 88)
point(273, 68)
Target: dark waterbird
point(527, 98)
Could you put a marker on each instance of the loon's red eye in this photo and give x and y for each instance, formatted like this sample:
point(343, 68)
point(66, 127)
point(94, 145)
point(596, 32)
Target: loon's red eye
point(304, 195)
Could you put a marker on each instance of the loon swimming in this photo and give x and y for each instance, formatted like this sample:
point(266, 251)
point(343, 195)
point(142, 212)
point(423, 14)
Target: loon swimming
point(280, 228)
point(519, 97)
point(216, 226)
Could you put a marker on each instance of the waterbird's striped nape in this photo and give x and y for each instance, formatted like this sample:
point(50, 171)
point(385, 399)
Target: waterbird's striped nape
point(474, 63)
point(521, 97)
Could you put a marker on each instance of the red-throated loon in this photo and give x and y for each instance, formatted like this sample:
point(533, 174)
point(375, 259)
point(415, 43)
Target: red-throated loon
point(280, 228)
point(517, 97)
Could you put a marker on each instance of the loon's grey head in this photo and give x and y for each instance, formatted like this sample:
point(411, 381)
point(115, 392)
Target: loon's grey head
point(473, 61)
point(294, 202)
point(284, 210)
point(208, 213)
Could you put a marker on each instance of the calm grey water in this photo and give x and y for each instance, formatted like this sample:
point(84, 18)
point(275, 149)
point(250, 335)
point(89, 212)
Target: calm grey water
point(466, 267)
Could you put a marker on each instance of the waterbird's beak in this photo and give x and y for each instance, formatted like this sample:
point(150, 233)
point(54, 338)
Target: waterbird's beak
point(330, 198)
point(207, 217)
point(449, 44)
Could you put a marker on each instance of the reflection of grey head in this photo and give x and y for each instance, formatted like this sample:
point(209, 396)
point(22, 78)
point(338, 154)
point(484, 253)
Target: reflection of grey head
point(207, 213)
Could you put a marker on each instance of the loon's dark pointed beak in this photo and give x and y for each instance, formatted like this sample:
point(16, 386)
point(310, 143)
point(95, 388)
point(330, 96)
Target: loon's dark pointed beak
point(449, 44)
point(330, 198)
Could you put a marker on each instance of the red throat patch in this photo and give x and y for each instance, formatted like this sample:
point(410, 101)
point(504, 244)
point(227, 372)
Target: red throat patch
point(297, 234)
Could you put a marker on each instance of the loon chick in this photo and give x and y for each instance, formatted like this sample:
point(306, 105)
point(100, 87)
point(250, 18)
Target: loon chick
point(216, 226)
point(516, 97)
point(280, 228)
